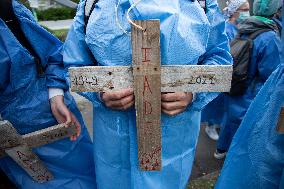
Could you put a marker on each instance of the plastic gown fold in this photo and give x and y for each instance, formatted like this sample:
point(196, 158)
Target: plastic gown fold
point(255, 158)
point(24, 102)
point(214, 112)
point(187, 35)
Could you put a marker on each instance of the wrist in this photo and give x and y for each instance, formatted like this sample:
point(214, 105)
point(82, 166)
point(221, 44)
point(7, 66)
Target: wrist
point(52, 92)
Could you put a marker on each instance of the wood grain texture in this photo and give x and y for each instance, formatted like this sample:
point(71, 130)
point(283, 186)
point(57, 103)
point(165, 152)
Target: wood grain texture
point(146, 61)
point(19, 148)
point(280, 124)
point(49, 135)
point(186, 78)
point(9, 137)
point(30, 162)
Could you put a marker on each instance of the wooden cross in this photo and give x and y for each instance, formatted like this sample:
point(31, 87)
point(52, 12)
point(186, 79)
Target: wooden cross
point(280, 124)
point(19, 147)
point(149, 79)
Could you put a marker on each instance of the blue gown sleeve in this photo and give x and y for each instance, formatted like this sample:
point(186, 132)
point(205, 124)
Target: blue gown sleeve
point(268, 55)
point(55, 77)
point(48, 48)
point(217, 51)
point(76, 53)
point(231, 31)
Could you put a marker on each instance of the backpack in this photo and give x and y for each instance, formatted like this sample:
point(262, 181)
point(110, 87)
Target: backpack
point(241, 51)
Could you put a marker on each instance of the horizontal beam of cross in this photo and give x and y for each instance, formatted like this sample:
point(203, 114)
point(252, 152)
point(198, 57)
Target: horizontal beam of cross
point(34, 139)
point(185, 78)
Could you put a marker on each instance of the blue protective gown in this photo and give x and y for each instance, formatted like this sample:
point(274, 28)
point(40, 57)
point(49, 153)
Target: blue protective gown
point(214, 112)
point(281, 186)
point(24, 102)
point(265, 59)
point(255, 159)
point(231, 30)
point(115, 141)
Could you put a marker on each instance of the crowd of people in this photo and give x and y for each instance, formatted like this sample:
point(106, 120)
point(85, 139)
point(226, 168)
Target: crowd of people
point(34, 93)
point(264, 59)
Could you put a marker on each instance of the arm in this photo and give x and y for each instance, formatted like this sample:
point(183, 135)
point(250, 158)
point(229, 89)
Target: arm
point(50, 53)
point(217, 50)
point(49, 50)
point(54, 70)
point(268, 55)
point(75, 51)
point(56, 84)
point(77, 54)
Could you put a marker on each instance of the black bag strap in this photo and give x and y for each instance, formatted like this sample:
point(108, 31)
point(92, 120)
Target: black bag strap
point(14, 25)
point(89, 7)
point(203, 4)
point(254, 35)
point(251, 36)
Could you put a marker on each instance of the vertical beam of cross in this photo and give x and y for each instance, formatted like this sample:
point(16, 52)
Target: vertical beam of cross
point(30, 162)
point(146, 62)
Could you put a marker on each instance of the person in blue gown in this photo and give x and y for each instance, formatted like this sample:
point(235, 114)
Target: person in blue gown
point(188, 37)
point(236, 12)
point(278, 18)
point(255, 158)
point(32, 86)
point(264, 60)
point(214, 113)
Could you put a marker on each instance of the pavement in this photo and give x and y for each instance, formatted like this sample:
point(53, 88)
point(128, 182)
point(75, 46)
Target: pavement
point(205, 169)
point(57, 25)
point(204, 162)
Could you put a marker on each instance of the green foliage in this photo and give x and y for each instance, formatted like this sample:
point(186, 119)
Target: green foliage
point(206, 182)
point(56, 14)
point(60, 34)
point(25, 2)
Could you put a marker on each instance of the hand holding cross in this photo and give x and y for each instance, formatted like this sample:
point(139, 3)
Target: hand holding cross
point(149, 79)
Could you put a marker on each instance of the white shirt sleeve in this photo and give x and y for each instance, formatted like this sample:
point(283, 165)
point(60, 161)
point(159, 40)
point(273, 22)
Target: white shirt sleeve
point(193, 97)
point(52, 92)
